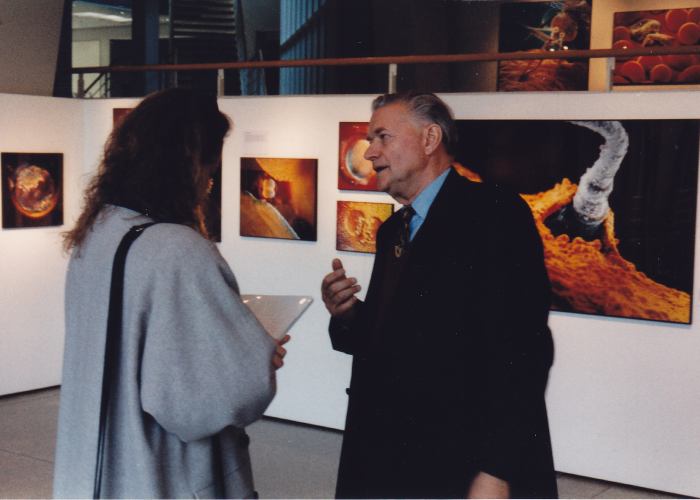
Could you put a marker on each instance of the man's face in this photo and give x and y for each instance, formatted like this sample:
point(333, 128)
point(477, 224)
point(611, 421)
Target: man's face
point(396, 151)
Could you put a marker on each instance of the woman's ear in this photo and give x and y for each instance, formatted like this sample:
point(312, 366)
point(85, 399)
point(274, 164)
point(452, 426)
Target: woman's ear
point(432, 138)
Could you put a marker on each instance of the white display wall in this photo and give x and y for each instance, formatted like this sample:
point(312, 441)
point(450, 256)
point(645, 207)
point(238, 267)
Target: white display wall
point(623, 395)
point(32, 264)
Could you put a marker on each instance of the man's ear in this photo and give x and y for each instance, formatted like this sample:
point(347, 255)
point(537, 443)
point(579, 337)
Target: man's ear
point(432, 138)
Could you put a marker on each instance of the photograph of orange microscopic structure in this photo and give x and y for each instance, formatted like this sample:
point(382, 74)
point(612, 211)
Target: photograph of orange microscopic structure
point(657, 28)
point(32, 190)
point(354, 172)
point(357, 225)
point(614, 202)
point(278, 198)
point(543, 27)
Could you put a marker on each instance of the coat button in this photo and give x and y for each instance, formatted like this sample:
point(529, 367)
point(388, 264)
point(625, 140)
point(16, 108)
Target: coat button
point(347, 391)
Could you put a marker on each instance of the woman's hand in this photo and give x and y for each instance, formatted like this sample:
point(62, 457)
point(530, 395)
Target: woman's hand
point(280, 352)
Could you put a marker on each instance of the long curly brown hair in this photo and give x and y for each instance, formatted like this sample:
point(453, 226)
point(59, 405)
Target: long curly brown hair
point(158, 161)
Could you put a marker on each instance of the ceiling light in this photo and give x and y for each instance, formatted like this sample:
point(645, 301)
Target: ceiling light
point(104, 17)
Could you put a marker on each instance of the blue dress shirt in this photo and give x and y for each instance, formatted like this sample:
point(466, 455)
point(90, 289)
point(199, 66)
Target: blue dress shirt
point(423, 202)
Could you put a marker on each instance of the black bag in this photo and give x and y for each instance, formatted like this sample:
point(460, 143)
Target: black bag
point(114, 330)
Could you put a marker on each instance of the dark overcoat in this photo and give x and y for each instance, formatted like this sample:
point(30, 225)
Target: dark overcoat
point(451, 354)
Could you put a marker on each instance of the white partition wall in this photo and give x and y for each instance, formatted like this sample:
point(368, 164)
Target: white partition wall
point(32, 264)
point(296, 127)
point(623, 394)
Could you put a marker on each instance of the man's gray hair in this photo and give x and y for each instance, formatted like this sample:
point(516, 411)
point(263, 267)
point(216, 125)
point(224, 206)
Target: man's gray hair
point(427, 107)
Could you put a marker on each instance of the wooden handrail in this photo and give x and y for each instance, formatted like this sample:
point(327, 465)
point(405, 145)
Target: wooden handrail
point(415, 59)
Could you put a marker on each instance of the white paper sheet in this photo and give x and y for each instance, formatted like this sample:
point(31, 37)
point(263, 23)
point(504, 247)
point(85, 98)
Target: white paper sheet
point(277, 313)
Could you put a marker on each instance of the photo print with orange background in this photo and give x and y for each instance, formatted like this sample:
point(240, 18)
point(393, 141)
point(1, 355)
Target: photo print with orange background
point(278, 198)
point(614, 203)
point(32, 190)
point(657, 28)
point(357, 224)
point(540, 27)
point(354, 172)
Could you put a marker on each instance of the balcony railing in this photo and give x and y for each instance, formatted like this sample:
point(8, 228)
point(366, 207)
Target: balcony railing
point(392, 62)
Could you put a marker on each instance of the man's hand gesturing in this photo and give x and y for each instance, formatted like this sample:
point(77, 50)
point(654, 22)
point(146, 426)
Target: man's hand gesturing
point(338, 291)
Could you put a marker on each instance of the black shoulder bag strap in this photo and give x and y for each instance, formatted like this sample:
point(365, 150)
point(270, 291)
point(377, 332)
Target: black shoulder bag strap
point(112, 350)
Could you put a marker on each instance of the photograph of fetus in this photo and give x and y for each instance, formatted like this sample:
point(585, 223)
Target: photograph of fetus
point(278, 198)
point(540, 27)
point(613, 200)
point(32, 190)
point(355, 173)
point(657, 28)
point(357, 223)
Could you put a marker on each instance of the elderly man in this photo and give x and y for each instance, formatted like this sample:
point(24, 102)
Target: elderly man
point(451, 349)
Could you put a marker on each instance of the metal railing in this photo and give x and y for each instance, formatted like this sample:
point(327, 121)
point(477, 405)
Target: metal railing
point(391, 61)
point(99, 87)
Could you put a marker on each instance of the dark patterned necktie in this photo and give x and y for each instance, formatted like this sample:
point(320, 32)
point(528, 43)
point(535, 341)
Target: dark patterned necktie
point(407, 214)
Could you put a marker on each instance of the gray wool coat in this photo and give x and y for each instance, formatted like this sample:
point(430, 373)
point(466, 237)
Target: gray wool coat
point(195, 369)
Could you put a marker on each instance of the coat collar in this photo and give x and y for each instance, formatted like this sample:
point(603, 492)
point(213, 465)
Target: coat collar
point(450, 204)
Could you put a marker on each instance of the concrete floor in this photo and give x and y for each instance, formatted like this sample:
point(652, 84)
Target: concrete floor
point(289, 460)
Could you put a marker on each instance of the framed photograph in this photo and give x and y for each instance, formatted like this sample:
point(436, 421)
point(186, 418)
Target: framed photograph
point(357, 223)
point(278, 198)
point(212, 211)
point(32, 190)
point(354, 172)
point(118, 114)
point(614, 203)
point(540, 27)
point(662, 28)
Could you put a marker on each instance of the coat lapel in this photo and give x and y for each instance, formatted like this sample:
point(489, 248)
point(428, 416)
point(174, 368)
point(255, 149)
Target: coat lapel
point(449, 216)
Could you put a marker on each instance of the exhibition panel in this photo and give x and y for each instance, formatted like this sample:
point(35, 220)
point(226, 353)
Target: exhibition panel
point(42, 157)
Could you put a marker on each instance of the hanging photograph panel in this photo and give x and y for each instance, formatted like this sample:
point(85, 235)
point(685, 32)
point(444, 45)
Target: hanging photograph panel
point(278, 198)
point(540, 27)
point(32, 190)
point(357, 223)
point(657, 28)
point(627, 254)
point(355, 173)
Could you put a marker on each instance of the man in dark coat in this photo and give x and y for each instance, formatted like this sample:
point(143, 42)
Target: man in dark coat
point(451, 349)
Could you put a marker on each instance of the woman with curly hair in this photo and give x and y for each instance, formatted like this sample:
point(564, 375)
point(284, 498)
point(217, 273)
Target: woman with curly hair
point(192, 366)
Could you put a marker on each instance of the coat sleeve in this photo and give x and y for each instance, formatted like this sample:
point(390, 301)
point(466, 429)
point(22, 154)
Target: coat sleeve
point(346, 335)
point(207, 361)
point(517, 343)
